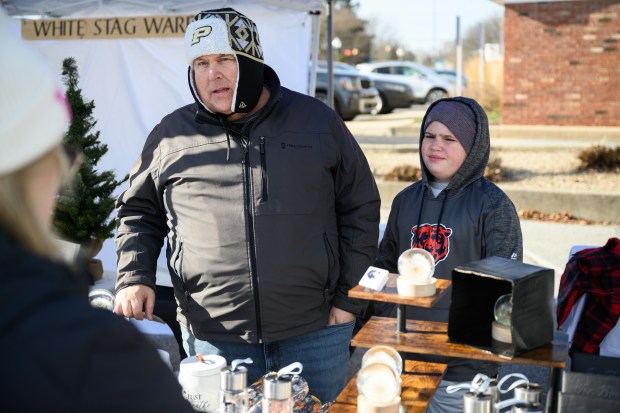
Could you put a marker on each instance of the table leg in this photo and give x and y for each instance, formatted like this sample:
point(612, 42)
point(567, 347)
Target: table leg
point(552, 392)
point(401, 318)
point(401, 326)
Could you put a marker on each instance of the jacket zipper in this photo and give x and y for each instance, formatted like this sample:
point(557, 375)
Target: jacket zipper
point(250, 230)
point(263, 169)
point(180, 270)
point(330, 262)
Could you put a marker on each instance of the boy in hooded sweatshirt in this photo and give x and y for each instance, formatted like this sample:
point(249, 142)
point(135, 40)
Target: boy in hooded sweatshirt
point(454, 213)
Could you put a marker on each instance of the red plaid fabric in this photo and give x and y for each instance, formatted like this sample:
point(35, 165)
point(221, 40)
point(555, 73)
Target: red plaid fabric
point(595, 271)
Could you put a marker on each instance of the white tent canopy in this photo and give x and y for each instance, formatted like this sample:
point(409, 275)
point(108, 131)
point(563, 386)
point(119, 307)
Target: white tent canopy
point(134, 82)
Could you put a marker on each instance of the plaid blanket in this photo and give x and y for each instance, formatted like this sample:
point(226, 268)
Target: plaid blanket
point(595, 271)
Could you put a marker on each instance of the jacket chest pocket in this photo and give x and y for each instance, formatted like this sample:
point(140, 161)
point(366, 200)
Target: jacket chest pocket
point(288, 177)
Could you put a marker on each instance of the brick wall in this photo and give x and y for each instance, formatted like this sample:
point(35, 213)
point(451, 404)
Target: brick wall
point(562, 63)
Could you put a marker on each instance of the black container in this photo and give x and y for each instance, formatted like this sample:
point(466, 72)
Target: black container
point(477, 285)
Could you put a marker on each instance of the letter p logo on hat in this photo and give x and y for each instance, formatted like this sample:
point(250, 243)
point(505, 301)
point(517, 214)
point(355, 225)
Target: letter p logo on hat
point(199, 33)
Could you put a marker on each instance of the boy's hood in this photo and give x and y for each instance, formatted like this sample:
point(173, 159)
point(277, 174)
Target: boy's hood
point(474, 165)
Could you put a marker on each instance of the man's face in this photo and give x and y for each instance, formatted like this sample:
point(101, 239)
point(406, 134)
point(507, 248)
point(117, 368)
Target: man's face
point(215, 77)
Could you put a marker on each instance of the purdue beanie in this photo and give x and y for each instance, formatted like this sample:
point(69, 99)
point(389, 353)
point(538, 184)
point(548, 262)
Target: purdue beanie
point(226, 31)
point(35, 112)
point(458, 117)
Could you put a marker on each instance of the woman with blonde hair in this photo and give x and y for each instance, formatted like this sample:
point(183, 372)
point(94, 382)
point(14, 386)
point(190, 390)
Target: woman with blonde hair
point(57, 353)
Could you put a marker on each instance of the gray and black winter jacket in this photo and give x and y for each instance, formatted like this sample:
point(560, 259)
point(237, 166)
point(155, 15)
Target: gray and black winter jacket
point(470, 219)
point(269, 220)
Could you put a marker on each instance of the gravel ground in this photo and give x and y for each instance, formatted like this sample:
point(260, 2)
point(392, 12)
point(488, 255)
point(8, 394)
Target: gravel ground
point(542, 169)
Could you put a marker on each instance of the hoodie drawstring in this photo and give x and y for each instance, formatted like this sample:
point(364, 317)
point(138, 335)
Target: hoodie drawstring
point(443, 206)
point(223, 125)
point(417, 229)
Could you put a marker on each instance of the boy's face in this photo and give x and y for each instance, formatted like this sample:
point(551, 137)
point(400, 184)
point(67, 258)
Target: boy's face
point(442, 153)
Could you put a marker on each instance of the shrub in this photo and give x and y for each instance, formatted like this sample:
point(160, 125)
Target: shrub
point(600, 158)
point(494, 171)
point(407, 173)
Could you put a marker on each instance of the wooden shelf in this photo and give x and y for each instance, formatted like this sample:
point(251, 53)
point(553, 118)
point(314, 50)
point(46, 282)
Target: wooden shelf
point(428, 337)
point(390, 295)
point(419, 382)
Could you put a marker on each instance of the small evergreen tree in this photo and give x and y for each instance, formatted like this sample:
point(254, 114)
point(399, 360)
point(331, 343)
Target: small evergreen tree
point(83, 211)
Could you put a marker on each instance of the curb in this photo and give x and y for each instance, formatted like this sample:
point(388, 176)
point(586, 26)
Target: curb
point(593, 135)
point(591, 206)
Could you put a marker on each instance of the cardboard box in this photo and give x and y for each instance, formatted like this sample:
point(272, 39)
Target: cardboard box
point(476, 286)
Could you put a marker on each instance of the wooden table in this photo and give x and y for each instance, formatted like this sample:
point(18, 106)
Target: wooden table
point(427, 337)
point(389, 294)
point(430, 337)
point(419, 382)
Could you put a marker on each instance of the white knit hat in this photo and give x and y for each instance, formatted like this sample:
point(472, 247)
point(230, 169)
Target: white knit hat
point(35, 112)
point(226, 31)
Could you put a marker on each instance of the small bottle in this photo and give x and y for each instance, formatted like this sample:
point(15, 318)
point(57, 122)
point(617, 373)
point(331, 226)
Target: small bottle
point(233, 388)
point(277, 396)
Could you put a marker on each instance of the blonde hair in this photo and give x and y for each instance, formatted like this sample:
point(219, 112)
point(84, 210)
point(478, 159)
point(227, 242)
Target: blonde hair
point(17, 214)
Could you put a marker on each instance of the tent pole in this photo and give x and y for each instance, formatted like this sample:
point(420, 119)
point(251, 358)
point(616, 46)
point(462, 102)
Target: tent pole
point(314, 52)
point(330, 58)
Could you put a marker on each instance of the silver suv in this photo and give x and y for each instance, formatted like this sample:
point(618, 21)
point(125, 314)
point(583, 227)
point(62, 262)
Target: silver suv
point(427, 85)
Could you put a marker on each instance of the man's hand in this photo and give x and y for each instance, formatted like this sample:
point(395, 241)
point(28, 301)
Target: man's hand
point(135, 300)
point(338, 316)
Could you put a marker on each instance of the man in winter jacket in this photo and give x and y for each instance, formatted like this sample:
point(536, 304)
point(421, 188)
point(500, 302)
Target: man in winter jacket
point(269, 209)
point(454, 213)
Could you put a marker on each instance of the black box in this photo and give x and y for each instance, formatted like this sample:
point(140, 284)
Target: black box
point(596, 386)
point(594, 363)
point(574, 403)
point(477, 285)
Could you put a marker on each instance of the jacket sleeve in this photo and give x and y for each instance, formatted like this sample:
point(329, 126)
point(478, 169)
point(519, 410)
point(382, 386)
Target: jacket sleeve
point(358, 206)
point(123, 372)
point(140, 221)
point(502, 231)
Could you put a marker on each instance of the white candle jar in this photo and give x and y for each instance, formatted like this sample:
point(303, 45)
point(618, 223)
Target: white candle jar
point(379, 385)
point(200, 380)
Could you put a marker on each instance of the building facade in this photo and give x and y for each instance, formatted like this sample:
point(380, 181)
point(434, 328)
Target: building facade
point(562, 63)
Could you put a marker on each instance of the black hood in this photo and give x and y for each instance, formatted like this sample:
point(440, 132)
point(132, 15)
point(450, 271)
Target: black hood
point(474, 165)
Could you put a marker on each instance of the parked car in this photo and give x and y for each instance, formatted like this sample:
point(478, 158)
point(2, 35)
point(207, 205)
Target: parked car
point(451, 76)
point(354, 93)
point(393, 93)
point(427, 85)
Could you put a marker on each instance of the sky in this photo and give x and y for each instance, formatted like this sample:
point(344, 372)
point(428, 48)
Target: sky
point(425, 25)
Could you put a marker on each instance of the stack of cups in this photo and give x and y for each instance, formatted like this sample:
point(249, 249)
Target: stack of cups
point(378, 381)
